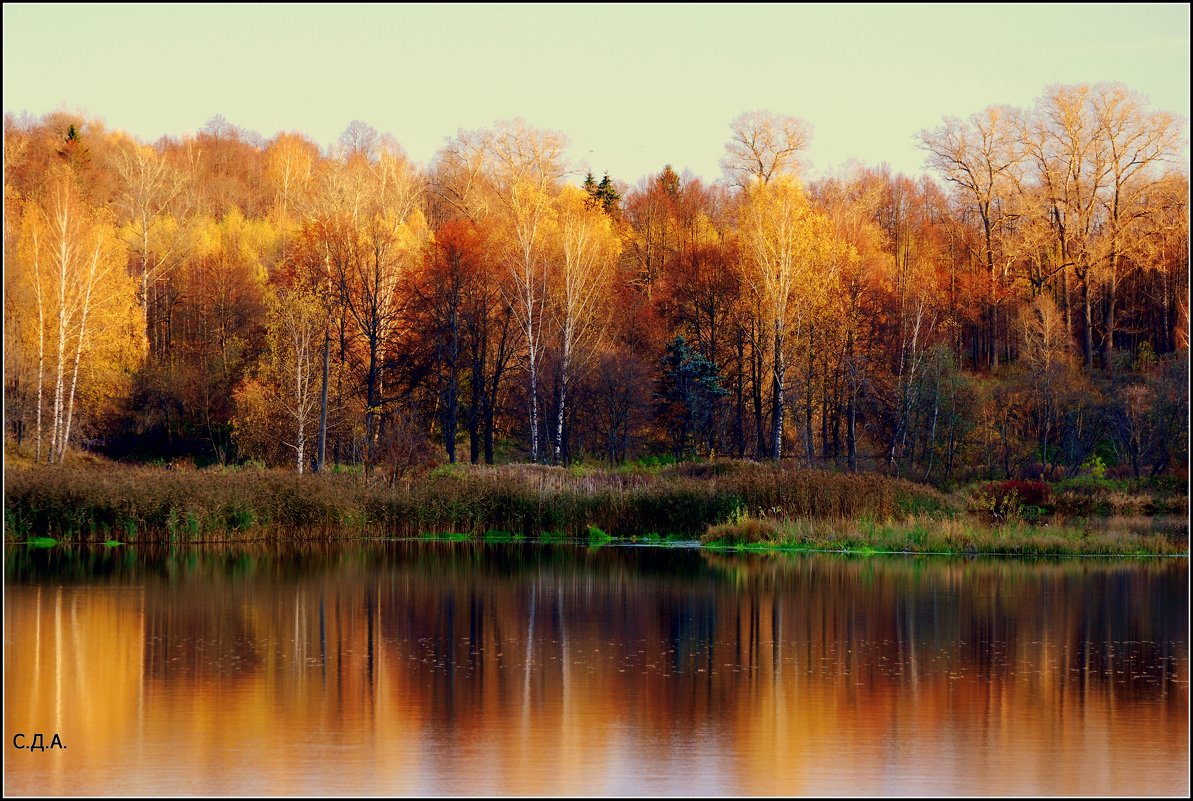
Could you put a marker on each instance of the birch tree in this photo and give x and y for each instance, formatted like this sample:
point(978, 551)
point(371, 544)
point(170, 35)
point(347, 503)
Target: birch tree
point(152, 200)
point(521, 167)
point(296, 326)
point(587, 252)
point(83, 298)
point(788, 265)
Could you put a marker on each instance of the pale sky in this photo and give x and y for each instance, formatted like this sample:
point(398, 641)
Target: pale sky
point(633, 87)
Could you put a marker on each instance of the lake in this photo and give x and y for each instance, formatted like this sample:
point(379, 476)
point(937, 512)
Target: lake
point(418, 667)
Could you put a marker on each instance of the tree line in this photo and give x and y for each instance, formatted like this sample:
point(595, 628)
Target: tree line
point(1024, 310)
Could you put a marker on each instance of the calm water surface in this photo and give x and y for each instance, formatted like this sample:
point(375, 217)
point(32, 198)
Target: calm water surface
point(450, 668)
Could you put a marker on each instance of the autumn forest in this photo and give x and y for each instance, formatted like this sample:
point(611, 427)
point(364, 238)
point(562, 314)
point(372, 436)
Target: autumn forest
point(1021, 310)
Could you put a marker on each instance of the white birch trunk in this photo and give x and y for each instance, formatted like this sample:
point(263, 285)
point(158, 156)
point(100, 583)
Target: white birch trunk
point(41, 339)
point(63, 262)
point(74, 380)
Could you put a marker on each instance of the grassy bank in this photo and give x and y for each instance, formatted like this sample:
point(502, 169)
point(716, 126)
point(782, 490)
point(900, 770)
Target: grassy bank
point(963, 534)
point(727, 505)
point(105, 502)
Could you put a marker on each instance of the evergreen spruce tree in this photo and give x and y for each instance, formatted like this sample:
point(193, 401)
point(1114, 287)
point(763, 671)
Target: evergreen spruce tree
point(688, 389)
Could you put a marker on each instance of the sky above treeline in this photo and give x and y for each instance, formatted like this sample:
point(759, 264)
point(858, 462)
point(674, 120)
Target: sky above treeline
point(632, 87)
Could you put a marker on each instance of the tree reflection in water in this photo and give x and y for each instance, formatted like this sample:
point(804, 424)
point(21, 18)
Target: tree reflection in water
point(408, 666)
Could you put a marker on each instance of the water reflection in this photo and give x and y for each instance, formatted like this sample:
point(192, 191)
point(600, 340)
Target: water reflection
point(416, 667)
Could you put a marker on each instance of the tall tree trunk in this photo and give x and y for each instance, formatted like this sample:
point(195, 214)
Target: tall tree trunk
point(1108, 317)
point(994, 337)
point(559, 415)
point(992, 317)
point(41, 339)
point(809, 401)
point(851, 414)
point(450, 410)
point(931, 448)
point(301, 394)
point(488, 433)
point(777, 396)
point(372, 401)
point(564, 366)
point(825, 440)
point(74, 379)
point(322, 454)
point(739, 422)
point(145, 279)
point(950, 450)
point(1087, 339)
point(851, 432)
point(499, 365)
point(534, 407)
point(836, 428)
point(1066, 305)
point(56, 433)
point(756, 392)
point(477, 389)
point(41, 361)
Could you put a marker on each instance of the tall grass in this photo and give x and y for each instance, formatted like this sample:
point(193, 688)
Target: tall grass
point(1149, 496)
point(138, 504)
point(955, 535)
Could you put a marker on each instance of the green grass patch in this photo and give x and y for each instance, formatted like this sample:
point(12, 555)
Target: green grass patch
point(445, 536)
point(596, 536)
point(502, 536)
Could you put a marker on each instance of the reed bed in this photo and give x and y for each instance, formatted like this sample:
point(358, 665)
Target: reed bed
point(97, 503)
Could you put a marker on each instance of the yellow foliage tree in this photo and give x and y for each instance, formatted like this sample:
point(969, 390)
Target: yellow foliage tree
point(84, 314)
point(789, 254)
point(587, 251)
point(519, 169)
point(296, 326)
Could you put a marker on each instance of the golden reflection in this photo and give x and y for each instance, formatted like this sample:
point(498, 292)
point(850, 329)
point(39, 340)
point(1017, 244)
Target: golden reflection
point(443, 668)
point(72, 666)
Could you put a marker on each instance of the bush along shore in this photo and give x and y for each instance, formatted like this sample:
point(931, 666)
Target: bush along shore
point(725, 505)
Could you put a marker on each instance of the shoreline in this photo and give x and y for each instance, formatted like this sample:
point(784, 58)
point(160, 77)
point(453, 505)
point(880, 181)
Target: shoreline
point(623, 542)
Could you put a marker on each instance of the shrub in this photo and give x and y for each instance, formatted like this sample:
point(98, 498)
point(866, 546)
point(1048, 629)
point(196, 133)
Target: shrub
point(1008, 501)
point(1095, 466)
point(742, 531)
